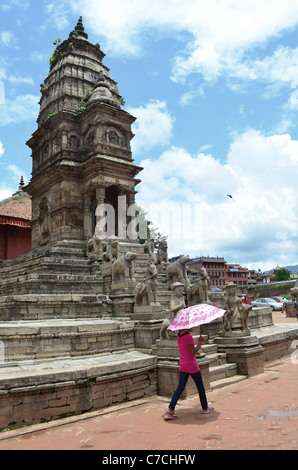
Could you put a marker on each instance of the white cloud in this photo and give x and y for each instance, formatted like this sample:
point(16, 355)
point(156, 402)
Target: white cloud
point(1, 149)
point(153, 126)
point(6, 191)
point(217, 35)
point(22, 108)
point(17, 173)
point(258, 227)
point(8, 38)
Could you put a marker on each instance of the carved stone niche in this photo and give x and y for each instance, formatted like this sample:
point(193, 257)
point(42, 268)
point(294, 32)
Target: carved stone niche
point(44, 221)
point(115, 137)
point(46, 151)
point(89, 138)
point(58, 143)
point(73, 140)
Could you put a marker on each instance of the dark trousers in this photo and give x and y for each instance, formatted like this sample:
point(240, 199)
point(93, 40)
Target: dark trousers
point(197, 377)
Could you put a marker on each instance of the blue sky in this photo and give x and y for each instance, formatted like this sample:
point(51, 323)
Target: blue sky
point(214, 87)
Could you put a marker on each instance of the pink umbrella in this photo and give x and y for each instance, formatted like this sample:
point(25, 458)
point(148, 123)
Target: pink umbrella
point(194, 316)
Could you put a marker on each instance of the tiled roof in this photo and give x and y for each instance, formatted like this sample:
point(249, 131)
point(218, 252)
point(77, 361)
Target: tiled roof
point(17, 206)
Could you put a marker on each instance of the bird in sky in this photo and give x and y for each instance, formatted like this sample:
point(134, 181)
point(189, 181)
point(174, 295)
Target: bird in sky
point(229, 195)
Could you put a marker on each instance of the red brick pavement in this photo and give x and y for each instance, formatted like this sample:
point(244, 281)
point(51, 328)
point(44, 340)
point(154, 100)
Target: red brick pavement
point(259, 413)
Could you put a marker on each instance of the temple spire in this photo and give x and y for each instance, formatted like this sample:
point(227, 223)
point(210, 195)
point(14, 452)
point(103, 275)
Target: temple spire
point(80, 28)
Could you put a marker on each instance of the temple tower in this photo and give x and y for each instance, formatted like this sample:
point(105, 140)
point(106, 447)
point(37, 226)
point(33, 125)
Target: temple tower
point(81, 150)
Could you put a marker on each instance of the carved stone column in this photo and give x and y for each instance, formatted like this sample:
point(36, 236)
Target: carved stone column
point(87, 216)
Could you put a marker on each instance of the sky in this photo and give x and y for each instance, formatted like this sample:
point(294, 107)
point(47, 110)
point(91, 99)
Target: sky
point(214, 87)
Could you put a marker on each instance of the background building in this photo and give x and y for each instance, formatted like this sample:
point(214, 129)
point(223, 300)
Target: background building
point(15, 225)
point(219, 271)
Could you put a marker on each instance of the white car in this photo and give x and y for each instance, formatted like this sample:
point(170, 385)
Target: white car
point(267, 301)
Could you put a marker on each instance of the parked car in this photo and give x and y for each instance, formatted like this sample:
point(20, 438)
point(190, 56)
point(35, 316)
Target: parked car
point(247, 299)
point(277, 299)
point(283, 299)
point(267, 301)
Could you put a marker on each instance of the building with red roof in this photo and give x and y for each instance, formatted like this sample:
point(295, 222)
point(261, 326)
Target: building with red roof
point(15, 225)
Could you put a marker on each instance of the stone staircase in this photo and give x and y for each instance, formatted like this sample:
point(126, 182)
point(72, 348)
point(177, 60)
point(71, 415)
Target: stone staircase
point(221, 372)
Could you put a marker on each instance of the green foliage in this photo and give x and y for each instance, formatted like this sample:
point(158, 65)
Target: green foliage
point(81, 107)
point(152, 232)
point(282, 274)
point(122, 101)
point(51, 114)
point(57, 54)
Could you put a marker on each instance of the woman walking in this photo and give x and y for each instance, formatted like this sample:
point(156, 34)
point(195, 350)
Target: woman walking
point(188, 366)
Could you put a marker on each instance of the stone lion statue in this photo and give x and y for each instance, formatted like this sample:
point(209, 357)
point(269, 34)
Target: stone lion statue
point(111, 253)
point(93, 248)
point(122, 268)
point(145, 292)
point(176, 272)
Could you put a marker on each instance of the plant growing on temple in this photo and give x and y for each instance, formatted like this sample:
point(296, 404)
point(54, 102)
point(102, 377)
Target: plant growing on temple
point(56, 54)
point(81, 107)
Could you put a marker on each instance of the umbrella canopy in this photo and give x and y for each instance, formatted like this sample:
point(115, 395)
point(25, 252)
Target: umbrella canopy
point(194, 316)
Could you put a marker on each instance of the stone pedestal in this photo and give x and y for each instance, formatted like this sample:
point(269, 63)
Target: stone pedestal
point(167, 353)
point(146, 334)
point(122, 296)
point(245, 351)
point(290, 309)
point(148, 312)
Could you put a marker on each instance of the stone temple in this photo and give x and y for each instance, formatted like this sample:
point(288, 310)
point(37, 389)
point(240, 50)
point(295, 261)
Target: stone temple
point(82, 314)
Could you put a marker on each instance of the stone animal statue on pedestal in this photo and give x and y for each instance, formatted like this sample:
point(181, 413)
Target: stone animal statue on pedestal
point(93, 248)
point(122, 268)
point(176, 272)
point(145, 292)
point(111, 253)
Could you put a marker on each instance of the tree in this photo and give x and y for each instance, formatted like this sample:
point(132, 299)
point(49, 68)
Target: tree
point(282, 274)
point(152, 232)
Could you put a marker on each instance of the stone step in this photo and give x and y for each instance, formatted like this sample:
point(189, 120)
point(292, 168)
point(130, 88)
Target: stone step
point(35, 391)
point(53, 283)
point(227, 381)
point(36, 340)
point(222, 371)
point(210, 348)
point(217, 359)
point(53, 306)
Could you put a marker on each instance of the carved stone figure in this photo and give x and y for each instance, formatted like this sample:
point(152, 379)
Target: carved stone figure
point(198, 292)
point(162, 256)
point(145, 292)
point(44, 221)
point(176, 271)
point(93, 248)
point(149, 248)
point(111, 253)
point(236, 315)
point(122, 268)
point(176, 304)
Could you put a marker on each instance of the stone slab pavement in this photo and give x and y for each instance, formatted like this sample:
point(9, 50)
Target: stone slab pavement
point(260, 413)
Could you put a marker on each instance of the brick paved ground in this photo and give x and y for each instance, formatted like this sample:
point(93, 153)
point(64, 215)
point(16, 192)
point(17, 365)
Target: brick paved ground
point(259, 413)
